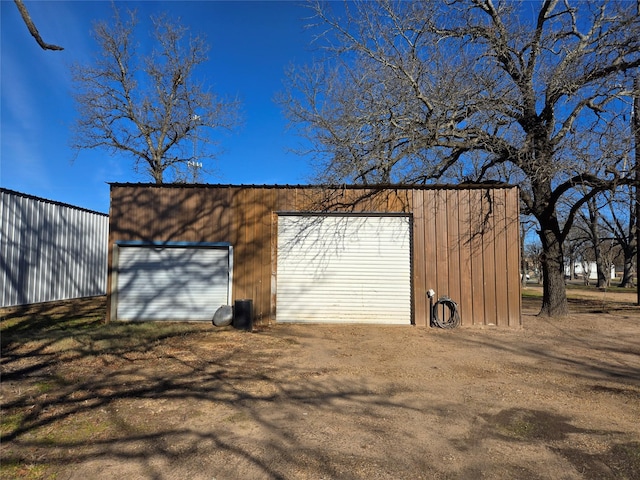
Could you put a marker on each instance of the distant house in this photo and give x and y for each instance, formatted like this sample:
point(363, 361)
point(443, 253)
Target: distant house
point(587, 268)
point(50, 250)
point(314, 254)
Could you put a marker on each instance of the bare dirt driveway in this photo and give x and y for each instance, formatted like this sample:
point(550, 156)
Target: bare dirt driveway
point(557, 399)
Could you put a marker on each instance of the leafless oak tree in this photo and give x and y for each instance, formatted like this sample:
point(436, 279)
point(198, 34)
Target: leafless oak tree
point(149, 106)
point(531, 93)
point(620, 224)
point(590, 222)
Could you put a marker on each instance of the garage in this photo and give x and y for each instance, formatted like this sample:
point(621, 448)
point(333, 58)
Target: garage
point(344, 269)
point(172, 281)
point(315, 253)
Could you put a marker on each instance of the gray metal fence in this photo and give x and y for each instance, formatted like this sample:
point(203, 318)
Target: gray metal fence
point(49, 250)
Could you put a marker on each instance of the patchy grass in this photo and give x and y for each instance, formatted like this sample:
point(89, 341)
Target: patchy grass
point(626, 459)
point(76, 430)
point(14, 469)
point(520, 429)
point(69, 327)
point(51, 354)
point(613, 288)
point(10, 422)
point(574, 290)
point(587, 299)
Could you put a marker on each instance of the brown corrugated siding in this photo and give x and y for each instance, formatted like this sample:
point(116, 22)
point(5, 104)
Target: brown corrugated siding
point(420, 303)
point(465, 300)
point(514, 296)
point(465, 240)
point(474, 241)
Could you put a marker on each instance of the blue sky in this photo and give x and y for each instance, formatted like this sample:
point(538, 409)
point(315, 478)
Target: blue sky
point(251, 45)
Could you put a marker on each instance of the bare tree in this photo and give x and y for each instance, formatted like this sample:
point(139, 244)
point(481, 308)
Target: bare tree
point(33, 30)
point(573, 249)
point(149, 106)
point(590, 223)
point(526, 225)
point(533, 255)
point(620, 224)
point(474, 91)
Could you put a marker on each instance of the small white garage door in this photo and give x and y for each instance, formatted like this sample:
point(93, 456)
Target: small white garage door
point(343, 268)
point(174, 282)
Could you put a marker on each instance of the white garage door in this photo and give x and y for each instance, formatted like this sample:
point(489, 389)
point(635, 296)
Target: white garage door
point(343, 268)
point(172, 282)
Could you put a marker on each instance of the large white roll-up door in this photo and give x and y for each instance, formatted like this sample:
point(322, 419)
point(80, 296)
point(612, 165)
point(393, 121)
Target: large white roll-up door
point(343, 268)
point(172, 282)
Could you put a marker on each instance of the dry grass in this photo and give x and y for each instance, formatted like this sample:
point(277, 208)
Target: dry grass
point(82, 399)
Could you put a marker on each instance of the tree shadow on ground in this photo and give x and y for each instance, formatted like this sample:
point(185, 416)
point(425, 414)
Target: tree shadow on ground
point(160, 394)
point(158, 400)
point(621, 460)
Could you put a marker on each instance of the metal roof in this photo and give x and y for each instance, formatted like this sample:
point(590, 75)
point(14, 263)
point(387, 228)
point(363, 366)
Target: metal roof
point(327, 186)
point(53, 202)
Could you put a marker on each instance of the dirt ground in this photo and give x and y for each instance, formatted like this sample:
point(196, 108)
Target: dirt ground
point(556, 399)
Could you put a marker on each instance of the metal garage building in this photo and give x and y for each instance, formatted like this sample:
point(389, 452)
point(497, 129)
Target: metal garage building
point(314, 254)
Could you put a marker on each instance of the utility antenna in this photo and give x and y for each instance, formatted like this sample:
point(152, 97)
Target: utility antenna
point(194, 164)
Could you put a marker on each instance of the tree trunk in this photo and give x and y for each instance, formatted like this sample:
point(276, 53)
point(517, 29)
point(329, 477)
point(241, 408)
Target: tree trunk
point(554, 294)
point(627, 273)
point(604, 273)
point(157, 170)
point(602, 268)
point(523, 260)
point(629, 248)
point(635, 121)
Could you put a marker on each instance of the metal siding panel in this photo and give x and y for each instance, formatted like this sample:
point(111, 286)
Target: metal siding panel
point(343, 269)
point(430, 254)
point(99, 276)
point(476, 225)
point(513, 257)
point(453, 240)
point(33, 249)
point(90, 268)
point(95, 277)
point(262, 304)
point(46, 250)
point(252, 243)
point(102, 243)
point(442, 243)
point(10, 254)
point(500, 255)
point(61, 247)
point(4, 260)
point(240, 225)
point(466, 296)
point(63, 287)
point(171, 283)
point(489, 263)
point(44, 273)
point(419, 260)
point(82, 250)
point(73, 270)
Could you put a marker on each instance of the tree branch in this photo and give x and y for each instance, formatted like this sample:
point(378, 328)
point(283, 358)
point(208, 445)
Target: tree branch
point(32, 27)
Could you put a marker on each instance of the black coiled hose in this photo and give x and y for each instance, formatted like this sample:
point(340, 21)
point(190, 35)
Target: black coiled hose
point(454, 318)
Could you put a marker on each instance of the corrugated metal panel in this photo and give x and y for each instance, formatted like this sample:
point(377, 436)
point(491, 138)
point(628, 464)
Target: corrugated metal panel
point(50, 251)
point(344, 269)
point(172, 283)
